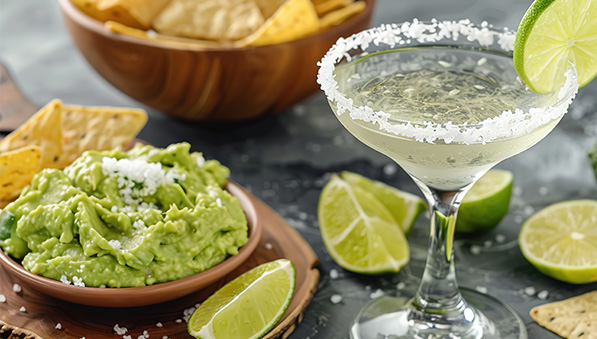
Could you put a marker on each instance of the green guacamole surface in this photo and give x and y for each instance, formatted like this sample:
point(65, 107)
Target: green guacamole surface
point(122, 219)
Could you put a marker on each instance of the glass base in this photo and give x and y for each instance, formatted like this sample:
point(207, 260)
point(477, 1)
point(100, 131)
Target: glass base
point(393, 317)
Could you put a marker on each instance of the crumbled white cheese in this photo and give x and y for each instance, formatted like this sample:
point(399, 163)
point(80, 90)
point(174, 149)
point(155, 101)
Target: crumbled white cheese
point(115, 244)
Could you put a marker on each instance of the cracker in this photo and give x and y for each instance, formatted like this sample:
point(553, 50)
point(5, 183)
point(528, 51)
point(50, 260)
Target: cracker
point(571, 318)
point(17, 168)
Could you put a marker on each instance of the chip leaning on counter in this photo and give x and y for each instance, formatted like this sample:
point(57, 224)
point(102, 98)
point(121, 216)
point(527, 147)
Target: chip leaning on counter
point(121, 219)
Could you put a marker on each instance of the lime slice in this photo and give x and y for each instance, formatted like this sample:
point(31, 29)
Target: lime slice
point(404, 207)
point(358, 231)
point(552, 34)
point(561, 241)
point(484, 206)
point(248, 306)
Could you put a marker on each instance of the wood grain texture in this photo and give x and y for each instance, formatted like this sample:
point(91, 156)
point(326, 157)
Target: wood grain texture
point(14, 107)
point(207, 84)
point(278, 240)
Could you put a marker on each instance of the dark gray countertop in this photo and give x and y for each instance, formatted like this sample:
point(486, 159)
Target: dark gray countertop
point(285, 160)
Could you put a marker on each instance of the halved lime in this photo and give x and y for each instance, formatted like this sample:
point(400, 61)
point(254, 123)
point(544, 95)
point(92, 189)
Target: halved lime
point(404, 207)
point(551, 34)
point(359, 233)
point(484, 206)
point(561, 241)
point(248, 306)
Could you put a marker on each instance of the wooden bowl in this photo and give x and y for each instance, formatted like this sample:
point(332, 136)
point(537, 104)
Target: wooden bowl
point(207, 84)
point(145, 295)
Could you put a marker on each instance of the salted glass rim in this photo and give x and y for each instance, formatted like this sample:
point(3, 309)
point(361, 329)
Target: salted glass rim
point(509, 124)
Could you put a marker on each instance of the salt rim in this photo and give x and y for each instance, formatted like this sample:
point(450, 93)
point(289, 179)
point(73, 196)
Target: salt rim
point(505, 126)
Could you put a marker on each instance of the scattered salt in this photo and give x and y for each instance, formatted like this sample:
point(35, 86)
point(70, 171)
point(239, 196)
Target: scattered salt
point(268, 246)
point(367, 287)
point(543, 294)
point(487, 243)
point(444, 63)
point(2, 298)
point(114, 209)
point(401, 285)
point(481, 289)
point(500, 238)
point(159, 324)
point(516, 190)
point(543, 190)
point(334, 273)
point(376, 294)
point(16, 288)
point(146, 334)
point(127, 337)
point(78, 281)
point(200, 161)
point(475, 249)
point(23, 309)
point(454, 92)
point(64, 279)
point(58, 326)
point(187, 313)
point(528, 210)
point(336, 298)
point(390, 169)
point(120, 330)
point(518, 219)
point(481, 62)
point(530, 290)
point(178, 321)
point(139, 224)
point(115, 244)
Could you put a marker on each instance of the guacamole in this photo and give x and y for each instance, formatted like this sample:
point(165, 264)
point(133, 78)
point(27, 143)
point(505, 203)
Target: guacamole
point(122, 219)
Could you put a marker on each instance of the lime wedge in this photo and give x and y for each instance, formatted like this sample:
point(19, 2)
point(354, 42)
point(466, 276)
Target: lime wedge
point(359, 233)
point(561, 241)
point(248, 306)
point(484, 206)
point(404, 207)
point(551, 34)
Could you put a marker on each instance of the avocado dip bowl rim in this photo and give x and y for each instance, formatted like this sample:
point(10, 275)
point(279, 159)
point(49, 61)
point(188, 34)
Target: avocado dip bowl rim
point(145, 295)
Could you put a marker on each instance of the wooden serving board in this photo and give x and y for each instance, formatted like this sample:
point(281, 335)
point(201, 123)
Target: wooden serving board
point(278, 240)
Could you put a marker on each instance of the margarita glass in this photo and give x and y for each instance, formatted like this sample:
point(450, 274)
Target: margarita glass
point(443, 100)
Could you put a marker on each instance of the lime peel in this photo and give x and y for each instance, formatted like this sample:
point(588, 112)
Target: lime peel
point(552, 35)
point(559, 241)
point(281, 273)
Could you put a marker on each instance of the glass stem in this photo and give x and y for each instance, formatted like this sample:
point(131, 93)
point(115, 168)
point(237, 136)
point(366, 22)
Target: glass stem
point(438, 292)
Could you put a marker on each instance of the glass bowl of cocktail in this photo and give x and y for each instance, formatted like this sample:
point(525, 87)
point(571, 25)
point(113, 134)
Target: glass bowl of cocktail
point(444, 101)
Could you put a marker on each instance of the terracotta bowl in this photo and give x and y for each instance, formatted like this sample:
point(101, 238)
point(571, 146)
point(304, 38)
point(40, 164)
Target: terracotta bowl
point(146, 295)
point(201, 84)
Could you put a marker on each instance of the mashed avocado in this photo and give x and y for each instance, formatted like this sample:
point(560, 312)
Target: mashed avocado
point(122, 219)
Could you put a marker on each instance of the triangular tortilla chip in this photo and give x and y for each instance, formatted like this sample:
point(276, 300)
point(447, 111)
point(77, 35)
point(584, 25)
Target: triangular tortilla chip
point(295, 19)
point(571, 318)
point(42, 130)
point(133, 13)
point(330, 5)
point(17, 168)
point(97, 128)
point(339, 16)
point(209, 19)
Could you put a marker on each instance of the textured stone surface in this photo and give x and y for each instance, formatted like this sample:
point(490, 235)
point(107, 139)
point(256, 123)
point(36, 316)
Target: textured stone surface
point(285, 160)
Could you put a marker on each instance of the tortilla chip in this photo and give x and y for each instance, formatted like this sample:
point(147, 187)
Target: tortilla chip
point(330, 5)
point(571, 318)
point(295, 19)
point(42, 130)
point(268, 7)
point(209, 19)
point(97, 128)
point(17, 168)
point(63, 133)
point(172, 40)
point(339, 16)
point(133, 13)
